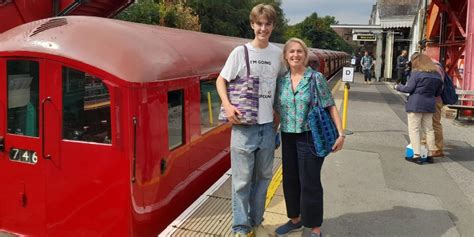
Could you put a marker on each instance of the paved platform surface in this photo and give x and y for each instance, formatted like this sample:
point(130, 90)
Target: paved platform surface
point(369, 189)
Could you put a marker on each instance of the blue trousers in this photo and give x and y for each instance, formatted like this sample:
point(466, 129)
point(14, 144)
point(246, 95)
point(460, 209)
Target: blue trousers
point(367, 75)
point(302, 179)
point(251, 152)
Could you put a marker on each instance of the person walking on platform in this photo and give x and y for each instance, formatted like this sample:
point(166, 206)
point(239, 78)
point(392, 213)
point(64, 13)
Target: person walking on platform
point(424, 85)
point(437, 126)
point(252, 146)
point(301, 166)
point(402, 67)
point(367, 62)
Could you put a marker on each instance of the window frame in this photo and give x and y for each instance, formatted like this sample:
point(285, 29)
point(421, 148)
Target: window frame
point(183, 118)
point(217, 122)
point(104, 78)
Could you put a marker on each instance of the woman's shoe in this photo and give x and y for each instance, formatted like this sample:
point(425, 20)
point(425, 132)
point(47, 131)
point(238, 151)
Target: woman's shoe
point(288, 227)
point(316, 235)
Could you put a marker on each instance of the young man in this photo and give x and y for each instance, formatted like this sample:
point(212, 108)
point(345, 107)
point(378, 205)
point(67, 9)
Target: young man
point(367, 62)
point(252, 146)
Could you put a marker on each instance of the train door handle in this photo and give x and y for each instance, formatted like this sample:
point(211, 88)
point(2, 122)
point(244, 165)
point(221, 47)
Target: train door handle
point(2, 144)
point(43, 102)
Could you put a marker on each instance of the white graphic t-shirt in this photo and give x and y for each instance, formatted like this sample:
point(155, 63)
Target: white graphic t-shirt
point(266, 64)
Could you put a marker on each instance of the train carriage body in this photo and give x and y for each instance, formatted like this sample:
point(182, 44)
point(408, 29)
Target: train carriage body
point(108, 128)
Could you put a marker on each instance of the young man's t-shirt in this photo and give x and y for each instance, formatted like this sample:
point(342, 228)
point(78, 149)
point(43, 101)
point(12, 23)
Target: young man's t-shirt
point(266, 64)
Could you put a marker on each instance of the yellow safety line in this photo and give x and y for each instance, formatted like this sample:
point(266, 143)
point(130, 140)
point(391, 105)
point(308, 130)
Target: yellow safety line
point(278, 176)
point(274, 184)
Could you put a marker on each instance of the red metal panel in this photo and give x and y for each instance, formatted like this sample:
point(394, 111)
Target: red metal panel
point(468, 65)
point(22, 11)
point(14, 13)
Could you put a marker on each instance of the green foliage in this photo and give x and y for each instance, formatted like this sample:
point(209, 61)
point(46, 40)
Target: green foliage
point(231, 17)
point(317, 33)
point(145, 11)
point(161, 13)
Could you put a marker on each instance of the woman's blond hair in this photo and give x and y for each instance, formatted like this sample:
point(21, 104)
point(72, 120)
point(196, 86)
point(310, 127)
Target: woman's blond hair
point(303, 45)
point(264, 10)
point(422, 63)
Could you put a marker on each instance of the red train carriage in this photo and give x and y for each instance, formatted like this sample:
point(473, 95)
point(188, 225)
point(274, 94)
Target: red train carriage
point(108, 128)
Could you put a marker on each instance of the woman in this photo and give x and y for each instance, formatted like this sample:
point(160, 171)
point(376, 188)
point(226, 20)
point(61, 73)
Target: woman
point(301, 167)
point(424, 85)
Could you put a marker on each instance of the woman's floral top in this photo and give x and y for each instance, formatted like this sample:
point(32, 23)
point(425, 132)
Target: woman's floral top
point(293, 106)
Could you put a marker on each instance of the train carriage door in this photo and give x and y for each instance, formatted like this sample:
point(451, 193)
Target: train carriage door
point(22, 164)
point(87, 178)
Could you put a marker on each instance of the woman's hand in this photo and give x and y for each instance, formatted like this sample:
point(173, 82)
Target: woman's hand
point(338, 144)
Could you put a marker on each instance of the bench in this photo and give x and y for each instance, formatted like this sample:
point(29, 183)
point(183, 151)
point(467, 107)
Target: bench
point(463, 96)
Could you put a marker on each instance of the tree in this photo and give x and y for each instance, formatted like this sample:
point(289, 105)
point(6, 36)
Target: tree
point(162, 13)
point(231, 17)
point(179, 16)
point(144, 11)
point(316, 31)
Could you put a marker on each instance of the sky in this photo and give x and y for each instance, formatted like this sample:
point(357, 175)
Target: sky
point(345, 11)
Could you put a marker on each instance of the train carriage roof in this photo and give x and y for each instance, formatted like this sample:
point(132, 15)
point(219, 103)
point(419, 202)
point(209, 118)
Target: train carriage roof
point(130, 51)
point(133, 52)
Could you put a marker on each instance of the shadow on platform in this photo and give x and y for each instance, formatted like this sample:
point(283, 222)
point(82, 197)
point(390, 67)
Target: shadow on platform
point(399, 221)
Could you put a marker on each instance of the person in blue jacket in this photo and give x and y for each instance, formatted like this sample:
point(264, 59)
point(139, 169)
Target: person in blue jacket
point(403, 67)
point(424, 86)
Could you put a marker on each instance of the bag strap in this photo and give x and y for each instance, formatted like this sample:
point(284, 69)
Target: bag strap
point(247, 61)
point(312, 89)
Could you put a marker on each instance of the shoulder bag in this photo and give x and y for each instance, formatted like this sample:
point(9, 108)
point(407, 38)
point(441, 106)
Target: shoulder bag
point(243, 94)
point(323, 129)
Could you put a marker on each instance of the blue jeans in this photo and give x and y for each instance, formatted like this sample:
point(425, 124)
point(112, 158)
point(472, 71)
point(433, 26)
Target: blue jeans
point(252, 151)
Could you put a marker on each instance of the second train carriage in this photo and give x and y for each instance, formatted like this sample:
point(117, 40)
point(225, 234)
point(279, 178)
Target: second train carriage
point(109, 128)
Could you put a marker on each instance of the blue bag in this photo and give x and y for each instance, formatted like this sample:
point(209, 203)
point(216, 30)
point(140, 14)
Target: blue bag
point(323, 130)
point(448, 93)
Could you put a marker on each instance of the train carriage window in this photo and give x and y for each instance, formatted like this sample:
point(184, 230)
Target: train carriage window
point(23, 97)
point(175, 118)
point(86, 108)
point(210, 105)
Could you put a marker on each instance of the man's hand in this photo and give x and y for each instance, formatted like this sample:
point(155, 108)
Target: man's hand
point(232, 114)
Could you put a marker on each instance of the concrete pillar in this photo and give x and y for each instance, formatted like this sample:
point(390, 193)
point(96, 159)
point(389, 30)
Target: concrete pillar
point(378, 57)
point(388, 54)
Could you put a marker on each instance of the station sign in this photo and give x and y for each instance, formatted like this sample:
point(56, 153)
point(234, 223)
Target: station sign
point(363, 37)
point(348, 74)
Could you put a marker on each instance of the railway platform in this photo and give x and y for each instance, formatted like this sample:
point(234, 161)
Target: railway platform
point(369, 188)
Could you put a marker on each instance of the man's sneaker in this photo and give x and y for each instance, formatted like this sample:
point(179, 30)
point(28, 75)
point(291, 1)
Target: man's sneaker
point(288, 227)
point(243, 234)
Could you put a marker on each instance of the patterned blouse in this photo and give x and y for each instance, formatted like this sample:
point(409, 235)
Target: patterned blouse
point(293, 107)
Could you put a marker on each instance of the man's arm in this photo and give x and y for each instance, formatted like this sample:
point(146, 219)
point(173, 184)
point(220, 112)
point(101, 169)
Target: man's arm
point(230, 110)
